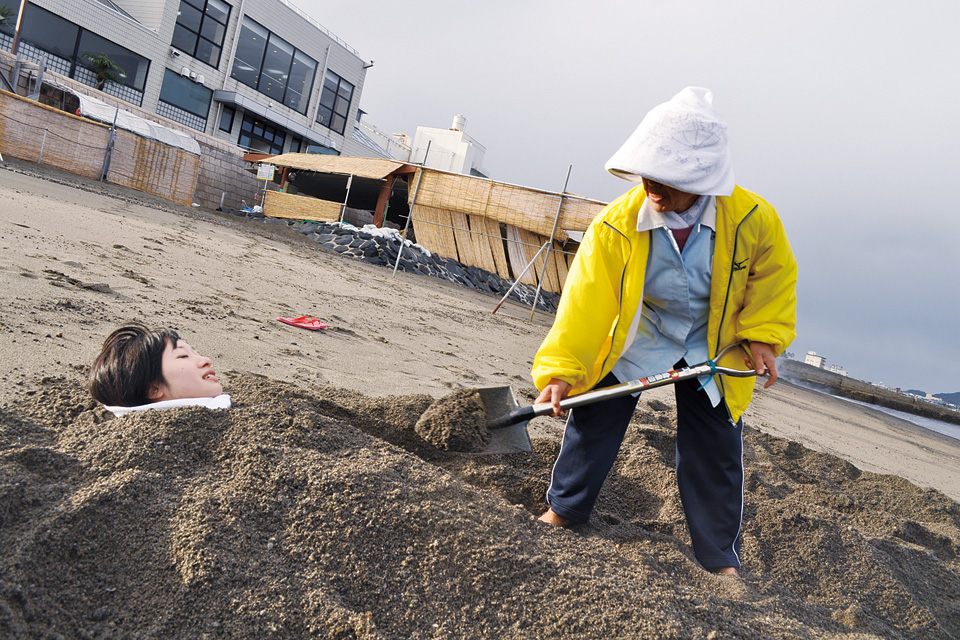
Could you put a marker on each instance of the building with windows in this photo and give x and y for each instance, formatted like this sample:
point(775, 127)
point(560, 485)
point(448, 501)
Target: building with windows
point(814, 360)
point(258, 73)
point(449, 149)
point(837, 369)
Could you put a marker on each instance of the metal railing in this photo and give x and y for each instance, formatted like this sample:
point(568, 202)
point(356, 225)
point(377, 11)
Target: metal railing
point(322, 28)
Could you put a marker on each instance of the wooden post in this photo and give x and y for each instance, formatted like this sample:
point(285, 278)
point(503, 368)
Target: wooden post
point(383, 199)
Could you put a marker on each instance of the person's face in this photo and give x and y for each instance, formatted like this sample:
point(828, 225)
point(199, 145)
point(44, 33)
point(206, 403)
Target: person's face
point(664, 198)
point(186, 374)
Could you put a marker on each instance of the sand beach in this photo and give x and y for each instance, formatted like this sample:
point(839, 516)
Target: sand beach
point(313, 509)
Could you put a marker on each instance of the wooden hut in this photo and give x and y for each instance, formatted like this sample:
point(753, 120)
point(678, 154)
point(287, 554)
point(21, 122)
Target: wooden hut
point(492, 225)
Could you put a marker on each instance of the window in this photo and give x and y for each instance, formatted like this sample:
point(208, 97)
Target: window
point(201, 28)
point(63, 44)
point(226, 118)
point(134, 67)
point(182, 92)
point(184, 101)
point(50, 32)
point(273, 66)
point(334, 102)
point(300, 82)
point(258, 135)
point(320, 149)
point(251, 44)
point(11, 8)
point(275, 69)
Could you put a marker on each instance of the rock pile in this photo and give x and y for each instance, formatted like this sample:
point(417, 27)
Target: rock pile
point(379, 246)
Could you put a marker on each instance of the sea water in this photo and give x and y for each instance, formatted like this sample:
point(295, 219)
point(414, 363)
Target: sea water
point(941, 427)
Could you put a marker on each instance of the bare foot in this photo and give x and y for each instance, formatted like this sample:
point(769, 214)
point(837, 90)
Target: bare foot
point(551, 518)
point(726, 571)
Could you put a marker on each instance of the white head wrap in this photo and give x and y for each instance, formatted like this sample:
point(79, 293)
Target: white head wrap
point(682, 144)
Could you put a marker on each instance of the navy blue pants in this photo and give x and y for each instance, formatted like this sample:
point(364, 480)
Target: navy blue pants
point(709, 467)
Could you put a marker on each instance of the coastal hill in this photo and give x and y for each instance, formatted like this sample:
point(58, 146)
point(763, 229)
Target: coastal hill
point(952, 398)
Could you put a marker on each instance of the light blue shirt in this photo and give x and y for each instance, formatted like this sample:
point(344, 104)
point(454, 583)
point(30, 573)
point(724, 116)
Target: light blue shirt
point(671, 323)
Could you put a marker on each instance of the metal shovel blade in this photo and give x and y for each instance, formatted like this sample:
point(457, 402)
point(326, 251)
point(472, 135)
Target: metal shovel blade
point(497, 403)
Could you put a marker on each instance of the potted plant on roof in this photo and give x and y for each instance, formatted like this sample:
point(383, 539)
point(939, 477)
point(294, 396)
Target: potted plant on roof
point(105, 68)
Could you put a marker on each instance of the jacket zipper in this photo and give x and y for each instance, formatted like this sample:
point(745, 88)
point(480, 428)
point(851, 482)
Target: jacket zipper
point(726, 299)
point(603, 365)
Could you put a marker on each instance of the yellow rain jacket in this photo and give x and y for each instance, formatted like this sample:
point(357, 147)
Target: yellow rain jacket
point(752, 294)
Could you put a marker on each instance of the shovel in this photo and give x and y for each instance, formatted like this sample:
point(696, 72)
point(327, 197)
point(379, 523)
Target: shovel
point(507, 421)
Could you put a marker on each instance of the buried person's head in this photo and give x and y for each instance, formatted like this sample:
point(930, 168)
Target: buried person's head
point(138, 366)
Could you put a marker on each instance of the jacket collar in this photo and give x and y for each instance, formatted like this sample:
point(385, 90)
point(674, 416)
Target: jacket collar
point(649, 218)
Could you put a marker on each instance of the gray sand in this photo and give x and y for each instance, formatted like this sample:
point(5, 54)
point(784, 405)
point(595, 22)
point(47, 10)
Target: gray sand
point(323, 514)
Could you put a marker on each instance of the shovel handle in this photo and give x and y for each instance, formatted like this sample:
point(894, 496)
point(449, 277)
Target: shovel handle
point(633, 386)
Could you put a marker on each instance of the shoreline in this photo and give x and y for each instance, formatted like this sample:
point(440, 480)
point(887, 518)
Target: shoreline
point(912, 418)
point(835, 384)
point(863, 435)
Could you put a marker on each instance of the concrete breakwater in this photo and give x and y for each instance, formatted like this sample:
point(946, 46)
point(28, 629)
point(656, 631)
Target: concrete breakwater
point(806, 375)
point(380, 246)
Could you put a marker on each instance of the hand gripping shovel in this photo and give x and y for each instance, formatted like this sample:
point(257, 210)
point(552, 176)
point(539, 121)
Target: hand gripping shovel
point(507, 421)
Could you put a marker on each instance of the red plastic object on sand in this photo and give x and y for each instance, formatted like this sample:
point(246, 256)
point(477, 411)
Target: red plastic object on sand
point(304, 322)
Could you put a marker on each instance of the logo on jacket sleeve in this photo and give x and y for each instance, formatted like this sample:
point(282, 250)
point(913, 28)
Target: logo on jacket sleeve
point(740, 265)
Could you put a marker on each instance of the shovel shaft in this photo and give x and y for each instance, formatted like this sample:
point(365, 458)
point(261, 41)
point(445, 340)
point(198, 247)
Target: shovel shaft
point(633, 386)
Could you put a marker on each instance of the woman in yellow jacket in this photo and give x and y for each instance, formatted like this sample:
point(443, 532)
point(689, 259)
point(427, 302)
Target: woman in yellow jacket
point(669, 274)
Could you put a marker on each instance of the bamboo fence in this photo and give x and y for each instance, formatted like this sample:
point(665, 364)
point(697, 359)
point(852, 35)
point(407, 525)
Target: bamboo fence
point(277, 204)
point(37, 133)
point(499, 227)
point(153, 167)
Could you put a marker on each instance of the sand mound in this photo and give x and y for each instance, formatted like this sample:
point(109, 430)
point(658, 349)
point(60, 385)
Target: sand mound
point(324, 514)
point(457, 422)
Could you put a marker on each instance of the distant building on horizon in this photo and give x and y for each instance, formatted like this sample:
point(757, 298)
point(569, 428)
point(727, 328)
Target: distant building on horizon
point(814, 360)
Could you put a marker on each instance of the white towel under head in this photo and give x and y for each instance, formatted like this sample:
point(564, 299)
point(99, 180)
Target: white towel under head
point(681, 143)
point(220, 402)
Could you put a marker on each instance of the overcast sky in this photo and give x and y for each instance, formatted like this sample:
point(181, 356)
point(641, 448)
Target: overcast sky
point(845, 115)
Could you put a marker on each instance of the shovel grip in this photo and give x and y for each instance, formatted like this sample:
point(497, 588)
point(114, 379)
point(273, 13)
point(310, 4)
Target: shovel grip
point(514, 417)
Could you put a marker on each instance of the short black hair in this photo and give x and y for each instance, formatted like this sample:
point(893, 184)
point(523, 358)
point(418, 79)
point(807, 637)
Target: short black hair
point(129, 366)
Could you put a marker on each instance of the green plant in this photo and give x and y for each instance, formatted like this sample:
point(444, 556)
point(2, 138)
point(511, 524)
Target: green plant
point(106, 69)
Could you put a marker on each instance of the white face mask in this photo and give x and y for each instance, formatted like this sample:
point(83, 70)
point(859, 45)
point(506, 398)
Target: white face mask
point(688, 218)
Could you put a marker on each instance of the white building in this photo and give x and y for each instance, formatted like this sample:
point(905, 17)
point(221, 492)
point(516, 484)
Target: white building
point(450, 149)
point(258, 73)
point(814, 360)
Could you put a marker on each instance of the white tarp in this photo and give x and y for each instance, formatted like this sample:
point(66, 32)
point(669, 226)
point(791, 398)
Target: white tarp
point(103, 112)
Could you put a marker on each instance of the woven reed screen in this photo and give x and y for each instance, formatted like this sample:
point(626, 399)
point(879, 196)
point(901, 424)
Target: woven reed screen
point(153, 167)
point(460, 217)
point(68, 142)
point(478, 241)
point(79, 145)
point(521, 207)
point(277, 204)
point(345, 165)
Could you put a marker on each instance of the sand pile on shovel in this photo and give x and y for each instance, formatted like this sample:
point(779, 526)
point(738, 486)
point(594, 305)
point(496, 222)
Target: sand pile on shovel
point(457, 422)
